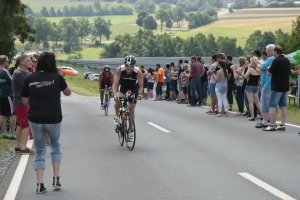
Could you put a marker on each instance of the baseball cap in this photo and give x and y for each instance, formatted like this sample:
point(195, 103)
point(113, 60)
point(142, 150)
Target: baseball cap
point(257, 53)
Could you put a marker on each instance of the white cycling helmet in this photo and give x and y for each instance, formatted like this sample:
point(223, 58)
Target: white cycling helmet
point(130, 60)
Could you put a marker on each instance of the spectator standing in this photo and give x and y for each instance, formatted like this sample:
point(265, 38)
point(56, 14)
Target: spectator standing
point(212, 84)
point(180, 90)
point(253, 75)
point(145, 82)
point(6, 97)
point(184, 81)
point(280, 72)
point(266, 86)
point(44, 88)
point(204, 82)
point(230, 81)
point(168, 80)
point(150, 77)
point(20, 109)
point(239, 81)
point(160, 81)
point(221, 77)
point(173, 84)
point(33, 66)
point(195, 82)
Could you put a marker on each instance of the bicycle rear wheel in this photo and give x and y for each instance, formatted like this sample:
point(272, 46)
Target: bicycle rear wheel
point(129, 131)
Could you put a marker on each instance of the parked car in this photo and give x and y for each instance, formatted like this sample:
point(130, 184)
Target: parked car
point(71, 69)
point(86, 74)
point(94, 77)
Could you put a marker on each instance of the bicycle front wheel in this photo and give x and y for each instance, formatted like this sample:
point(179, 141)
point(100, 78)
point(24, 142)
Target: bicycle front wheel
point(120, 134)
point(129, 131)
point(106, 105)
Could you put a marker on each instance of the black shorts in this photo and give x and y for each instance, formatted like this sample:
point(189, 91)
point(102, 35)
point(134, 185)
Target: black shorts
point(103, 85)
point(150, 85)
point(184, 90)
point(6, 106)
point(124, 90)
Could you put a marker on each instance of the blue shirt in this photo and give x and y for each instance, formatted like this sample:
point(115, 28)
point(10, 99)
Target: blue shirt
point(265, 78)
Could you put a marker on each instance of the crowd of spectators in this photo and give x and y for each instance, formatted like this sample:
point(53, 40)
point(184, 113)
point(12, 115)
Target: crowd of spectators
point(259, 83)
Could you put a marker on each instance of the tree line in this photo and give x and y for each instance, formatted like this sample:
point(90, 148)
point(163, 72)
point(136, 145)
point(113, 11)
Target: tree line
point(145, 43)
point(81, 10)
point(69, 31)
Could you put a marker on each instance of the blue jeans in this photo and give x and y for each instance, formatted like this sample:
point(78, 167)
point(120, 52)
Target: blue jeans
point(195, 85)
point(38, 132)
point(239, 96)
point(204, 89)
point(278, 99)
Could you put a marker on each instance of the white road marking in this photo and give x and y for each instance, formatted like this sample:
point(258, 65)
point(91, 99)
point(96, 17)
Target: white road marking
point(158, 127)
point(15, 183)
point(266, 186)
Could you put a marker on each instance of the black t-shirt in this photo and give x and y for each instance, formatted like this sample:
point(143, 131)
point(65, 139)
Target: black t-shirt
point(204, 77)
point(231, 80)
point(44, 90)
point(280, 70)
point(245, 80)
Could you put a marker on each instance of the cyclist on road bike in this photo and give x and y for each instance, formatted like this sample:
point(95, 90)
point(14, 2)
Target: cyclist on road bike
point(128, 77)
point(106, 77)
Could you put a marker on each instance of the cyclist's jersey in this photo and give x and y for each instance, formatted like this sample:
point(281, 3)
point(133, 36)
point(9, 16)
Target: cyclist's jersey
point(128, 80)
point(106, 79)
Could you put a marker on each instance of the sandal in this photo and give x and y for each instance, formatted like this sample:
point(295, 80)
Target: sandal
point(219, 115)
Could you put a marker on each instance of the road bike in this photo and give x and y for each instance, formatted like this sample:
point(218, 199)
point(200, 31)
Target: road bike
point(126, 126)
point(106, 99)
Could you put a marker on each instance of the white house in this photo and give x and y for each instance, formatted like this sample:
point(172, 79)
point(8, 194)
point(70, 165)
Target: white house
point(262, 2)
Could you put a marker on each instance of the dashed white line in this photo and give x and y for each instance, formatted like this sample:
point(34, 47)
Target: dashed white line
point(158, 127)
point(15, 183)
point(266, 186)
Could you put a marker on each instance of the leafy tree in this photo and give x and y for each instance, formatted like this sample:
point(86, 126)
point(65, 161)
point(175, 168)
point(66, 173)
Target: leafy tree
point(69, 33)
point(217, 3)
point(211, 45)
point(146, 5)
point(152, 47)
point(162, 15)
point(66, 11)
point(44, 12)
point(240, 51)
point(12, 17)
point(267, 38)
point(141, 16)
point(84, 27)
point(253, 42)
point(101, 28)
point(112, 50)
point(178, 15)
point(169, 23)
point(228, 45)
point(97, 6)
point(166, 45)
point(30, 20)
point(149, 23)
point(280, 36)
point(178, 44)
point(59, 13)
point(294, 37)
point(165, 6)
point(29, 11)
point(55, 33)
point(52, 12)
point(43, 29)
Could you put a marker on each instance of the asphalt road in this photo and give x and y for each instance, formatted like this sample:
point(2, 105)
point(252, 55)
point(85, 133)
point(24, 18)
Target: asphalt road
point(202, 157)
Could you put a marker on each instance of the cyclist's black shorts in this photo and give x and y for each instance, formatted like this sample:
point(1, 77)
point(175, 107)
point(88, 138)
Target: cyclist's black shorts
point(103, 85)
point(124, 90)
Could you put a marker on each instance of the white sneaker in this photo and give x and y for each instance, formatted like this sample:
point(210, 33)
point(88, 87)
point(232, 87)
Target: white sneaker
point(130, 137)
point(116, 120)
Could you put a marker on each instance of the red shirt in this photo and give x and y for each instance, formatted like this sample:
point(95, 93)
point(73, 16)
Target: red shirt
point(106, 79)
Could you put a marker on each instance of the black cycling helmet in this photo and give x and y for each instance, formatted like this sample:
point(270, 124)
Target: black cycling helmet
point(130, 60)
point(106, 68)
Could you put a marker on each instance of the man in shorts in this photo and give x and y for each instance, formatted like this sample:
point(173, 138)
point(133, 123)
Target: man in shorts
point(6, 99)
point(20, 109)
point(128, 77)
point(280, 72)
